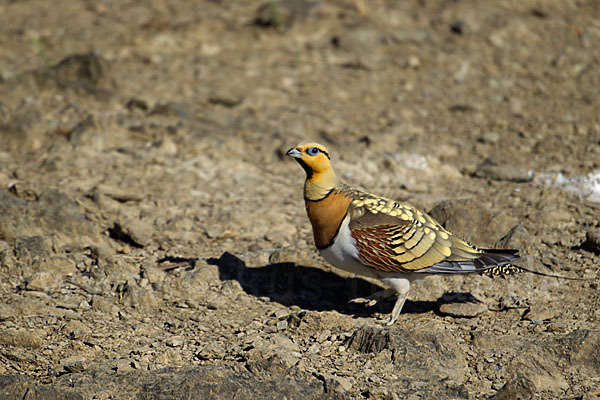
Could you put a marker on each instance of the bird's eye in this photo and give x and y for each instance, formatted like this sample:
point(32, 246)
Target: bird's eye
point(313, 151)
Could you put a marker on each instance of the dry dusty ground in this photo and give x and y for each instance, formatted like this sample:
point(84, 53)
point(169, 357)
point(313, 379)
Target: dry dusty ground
point(153, 242)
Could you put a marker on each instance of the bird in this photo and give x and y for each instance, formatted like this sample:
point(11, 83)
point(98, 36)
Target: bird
point(375, 237)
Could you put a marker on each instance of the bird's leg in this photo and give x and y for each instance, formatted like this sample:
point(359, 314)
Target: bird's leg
point(396, 310)
point(400, 286)
point(375, 297)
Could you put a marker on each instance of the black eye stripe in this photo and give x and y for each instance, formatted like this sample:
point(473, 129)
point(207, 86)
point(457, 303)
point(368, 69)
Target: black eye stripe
point(313, 151)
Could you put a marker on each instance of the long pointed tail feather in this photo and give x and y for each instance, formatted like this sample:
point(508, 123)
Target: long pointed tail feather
point(481, 262)
point(510, 269)
point(492, 262)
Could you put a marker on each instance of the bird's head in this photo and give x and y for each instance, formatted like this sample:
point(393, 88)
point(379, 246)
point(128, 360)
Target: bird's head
point(314, 159)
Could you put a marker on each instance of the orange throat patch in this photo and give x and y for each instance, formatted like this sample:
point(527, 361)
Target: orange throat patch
point(326, 216)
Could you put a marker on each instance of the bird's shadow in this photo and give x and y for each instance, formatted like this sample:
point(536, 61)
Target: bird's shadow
point(310, 288)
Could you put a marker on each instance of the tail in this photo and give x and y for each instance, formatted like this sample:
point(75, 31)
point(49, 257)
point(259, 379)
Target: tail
point(476, 262)
point(492, 262)
point(510, 269)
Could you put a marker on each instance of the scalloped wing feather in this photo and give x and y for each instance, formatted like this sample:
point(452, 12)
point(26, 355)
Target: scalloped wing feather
point(396, 237)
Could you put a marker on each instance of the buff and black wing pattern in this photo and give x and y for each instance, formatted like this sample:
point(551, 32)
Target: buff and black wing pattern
point(396, 237)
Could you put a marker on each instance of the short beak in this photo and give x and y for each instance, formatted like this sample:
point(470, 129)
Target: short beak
point(294, 152)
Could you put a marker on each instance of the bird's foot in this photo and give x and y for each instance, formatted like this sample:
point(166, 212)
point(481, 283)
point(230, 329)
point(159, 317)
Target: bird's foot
point(388, 321)
point(371, 300)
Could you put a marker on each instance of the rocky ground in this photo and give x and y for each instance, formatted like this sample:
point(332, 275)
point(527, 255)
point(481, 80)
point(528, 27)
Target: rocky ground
point(153, 240)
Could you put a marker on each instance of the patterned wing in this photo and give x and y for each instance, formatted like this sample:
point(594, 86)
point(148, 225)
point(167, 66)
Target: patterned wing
point(392, 236)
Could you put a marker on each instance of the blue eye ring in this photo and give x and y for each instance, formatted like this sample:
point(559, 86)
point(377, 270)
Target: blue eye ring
point(313, 151)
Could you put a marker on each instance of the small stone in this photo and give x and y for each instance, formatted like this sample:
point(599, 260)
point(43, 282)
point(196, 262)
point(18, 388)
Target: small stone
point(67, 305)
point(7, 312)
point(516, 105)
point(323, 336)
point(503, 172)
point(123, 364)
point(313, 349)
point(211, 351)
point(71, 315)
point(166, 147)
point(369, 340)
point(283, 13)
point(459, 306)
point(22, 338)
point(490, 137)
point(103, 304)
point(117, 193)
point(33, 246)
point(19, 355)
point(559, 326)
point(132, 231)
point(592, 240)
point(334, 383)
point(517, 238)
point(42, 282)
point(283, 342)
point(141, 299)
point(410, 35)
point(463, 72)
point(282, 325)
point(76, 366)
point(541, 312)
point(174, 341)
point(517, 388)
point(4, 179)
point(414, 62)
point(76, 329)
point(279, 313)
point(457, 27)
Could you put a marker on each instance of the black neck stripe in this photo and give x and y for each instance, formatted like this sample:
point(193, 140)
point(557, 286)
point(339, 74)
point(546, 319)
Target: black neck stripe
point(322, 198)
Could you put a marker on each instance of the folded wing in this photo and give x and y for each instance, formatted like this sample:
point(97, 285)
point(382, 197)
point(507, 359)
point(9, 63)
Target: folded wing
point(396, 237)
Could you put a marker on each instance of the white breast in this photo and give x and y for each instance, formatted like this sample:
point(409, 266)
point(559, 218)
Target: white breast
point(344, 255)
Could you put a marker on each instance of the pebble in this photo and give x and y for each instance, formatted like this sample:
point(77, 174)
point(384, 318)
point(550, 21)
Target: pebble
point(463, 310)
point(517, 388)
point(490, 137)
point(76, 329)
point(210, 351)
point(75, 366)
point(505, 172)
point(175, 341)
point(313, 349)
point(336, 383)
point(42, 282)
point(323, 336)
point(592, 240)
point(133, 231)
point(282, 325)
point(411, 35)
point(123, 364)
point(542, 312)
point(22, 338)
